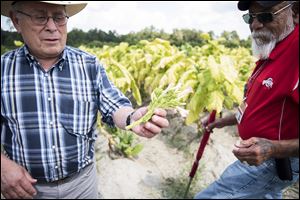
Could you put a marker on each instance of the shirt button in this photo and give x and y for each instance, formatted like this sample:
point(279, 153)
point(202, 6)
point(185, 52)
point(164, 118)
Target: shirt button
point(53, 147)
point(51, 123)
point(49, 98)
point(46, 74)
point(56, 166)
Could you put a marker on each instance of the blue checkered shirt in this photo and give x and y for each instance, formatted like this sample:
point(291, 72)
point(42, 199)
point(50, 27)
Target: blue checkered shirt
point(49, 119)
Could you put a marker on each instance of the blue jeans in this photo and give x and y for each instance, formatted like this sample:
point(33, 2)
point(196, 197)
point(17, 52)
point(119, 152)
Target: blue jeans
point(240, 181)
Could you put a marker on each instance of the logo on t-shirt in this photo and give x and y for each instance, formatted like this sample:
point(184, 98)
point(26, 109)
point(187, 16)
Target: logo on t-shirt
point(268, 83)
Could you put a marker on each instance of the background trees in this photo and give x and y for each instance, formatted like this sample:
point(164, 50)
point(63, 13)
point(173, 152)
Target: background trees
point(99, 38)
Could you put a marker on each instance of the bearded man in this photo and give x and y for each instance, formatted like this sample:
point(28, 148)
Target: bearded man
point(268, 118)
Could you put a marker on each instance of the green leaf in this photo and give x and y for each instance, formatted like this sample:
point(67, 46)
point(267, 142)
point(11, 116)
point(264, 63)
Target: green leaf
point(136, 149)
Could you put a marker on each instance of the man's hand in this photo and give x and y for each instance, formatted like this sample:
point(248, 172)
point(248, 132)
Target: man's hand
point(16, 183)
point(254, 151)
point(215, 124)
point(153, 126)
point(218, 123)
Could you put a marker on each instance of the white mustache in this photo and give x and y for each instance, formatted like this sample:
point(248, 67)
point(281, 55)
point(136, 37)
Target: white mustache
point(263, 42)
point(263, 37)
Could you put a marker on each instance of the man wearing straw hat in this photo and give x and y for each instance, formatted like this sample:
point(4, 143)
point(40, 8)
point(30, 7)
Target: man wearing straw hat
point(50, 96)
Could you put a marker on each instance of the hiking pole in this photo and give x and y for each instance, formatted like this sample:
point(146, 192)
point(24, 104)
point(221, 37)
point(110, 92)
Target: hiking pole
point(203, 143)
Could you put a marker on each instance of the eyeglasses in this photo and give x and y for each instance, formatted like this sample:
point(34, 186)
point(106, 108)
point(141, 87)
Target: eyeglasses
point(42, 20)
point(263, 17)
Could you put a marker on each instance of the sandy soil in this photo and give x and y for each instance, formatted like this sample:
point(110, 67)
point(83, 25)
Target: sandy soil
point(161, 169)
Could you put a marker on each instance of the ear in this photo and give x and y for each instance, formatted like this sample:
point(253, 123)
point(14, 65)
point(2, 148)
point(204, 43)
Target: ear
point(295, 9)
point(15, 21)
point(296, 19)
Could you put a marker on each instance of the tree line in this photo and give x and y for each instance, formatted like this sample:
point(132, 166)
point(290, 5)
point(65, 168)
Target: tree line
point(98, 38)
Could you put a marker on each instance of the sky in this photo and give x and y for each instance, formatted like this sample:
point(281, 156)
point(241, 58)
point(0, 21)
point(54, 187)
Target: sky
point(133, 16)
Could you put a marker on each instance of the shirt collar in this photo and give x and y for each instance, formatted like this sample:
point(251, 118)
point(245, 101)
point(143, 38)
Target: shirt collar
point(31, 59)
point(285, 43)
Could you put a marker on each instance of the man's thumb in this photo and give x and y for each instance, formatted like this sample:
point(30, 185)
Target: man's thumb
point(32, 180)
point(247, 143)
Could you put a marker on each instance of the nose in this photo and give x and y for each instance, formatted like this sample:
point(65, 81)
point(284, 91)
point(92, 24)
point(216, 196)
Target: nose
point(256, 24)
point(51, 26)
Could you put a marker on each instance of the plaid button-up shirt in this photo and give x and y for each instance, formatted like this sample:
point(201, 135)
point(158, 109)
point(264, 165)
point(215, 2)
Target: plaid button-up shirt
point(48, 119)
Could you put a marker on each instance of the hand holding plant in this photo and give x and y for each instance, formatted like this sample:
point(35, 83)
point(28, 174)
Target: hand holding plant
point(169, 98)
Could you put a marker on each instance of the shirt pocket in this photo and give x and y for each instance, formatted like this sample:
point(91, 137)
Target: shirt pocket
point(78, 117)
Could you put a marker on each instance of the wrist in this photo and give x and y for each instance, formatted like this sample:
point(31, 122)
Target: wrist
point(220, 123)
point(274, 149)
point(129, 119)
point(4, 161)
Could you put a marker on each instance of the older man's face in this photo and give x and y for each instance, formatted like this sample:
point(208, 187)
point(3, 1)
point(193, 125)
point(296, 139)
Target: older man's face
point(266, 35)
point(277, 27)
point(44, 41)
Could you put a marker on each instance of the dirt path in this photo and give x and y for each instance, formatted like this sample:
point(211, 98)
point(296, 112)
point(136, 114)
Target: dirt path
point(161, 169)
point(164, 160)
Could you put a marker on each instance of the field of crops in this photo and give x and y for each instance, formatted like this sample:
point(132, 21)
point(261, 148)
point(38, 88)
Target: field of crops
point(215, 74)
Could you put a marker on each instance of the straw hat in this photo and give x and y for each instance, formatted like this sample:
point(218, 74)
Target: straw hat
point(72, 7)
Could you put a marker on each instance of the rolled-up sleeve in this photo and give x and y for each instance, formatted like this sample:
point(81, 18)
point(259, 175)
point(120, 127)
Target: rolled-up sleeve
point(110, 97)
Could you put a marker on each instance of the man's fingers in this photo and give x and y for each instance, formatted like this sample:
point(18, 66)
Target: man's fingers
point(27, 186)
point(152, 128)
point(249, 161)
point(10, 195)
point(22, 193)
point(160, 121)
point(143, 110)
point(247, 143)
point(160, 112)
point(146, 133)
point(139, 113)
point(32, 180)
point(209, 127)
point(243, 152)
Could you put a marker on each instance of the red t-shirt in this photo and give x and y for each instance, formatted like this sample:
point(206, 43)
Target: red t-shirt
point(272, 110)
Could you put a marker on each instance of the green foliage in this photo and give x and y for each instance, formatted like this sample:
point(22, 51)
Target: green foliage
point(4, 49)
point(98, 38)
point(18, 43)
point(215, 73)
point(92, 38)
point(168, 98)
point(117, 71)
point(122, 143)
point(175, 188)
point(215, 69)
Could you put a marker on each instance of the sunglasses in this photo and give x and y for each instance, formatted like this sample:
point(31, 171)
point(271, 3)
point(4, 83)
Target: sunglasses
point(263, 17)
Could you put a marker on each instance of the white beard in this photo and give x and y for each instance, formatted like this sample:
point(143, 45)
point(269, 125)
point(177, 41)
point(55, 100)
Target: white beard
point(260, 48)
point(263, 42)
